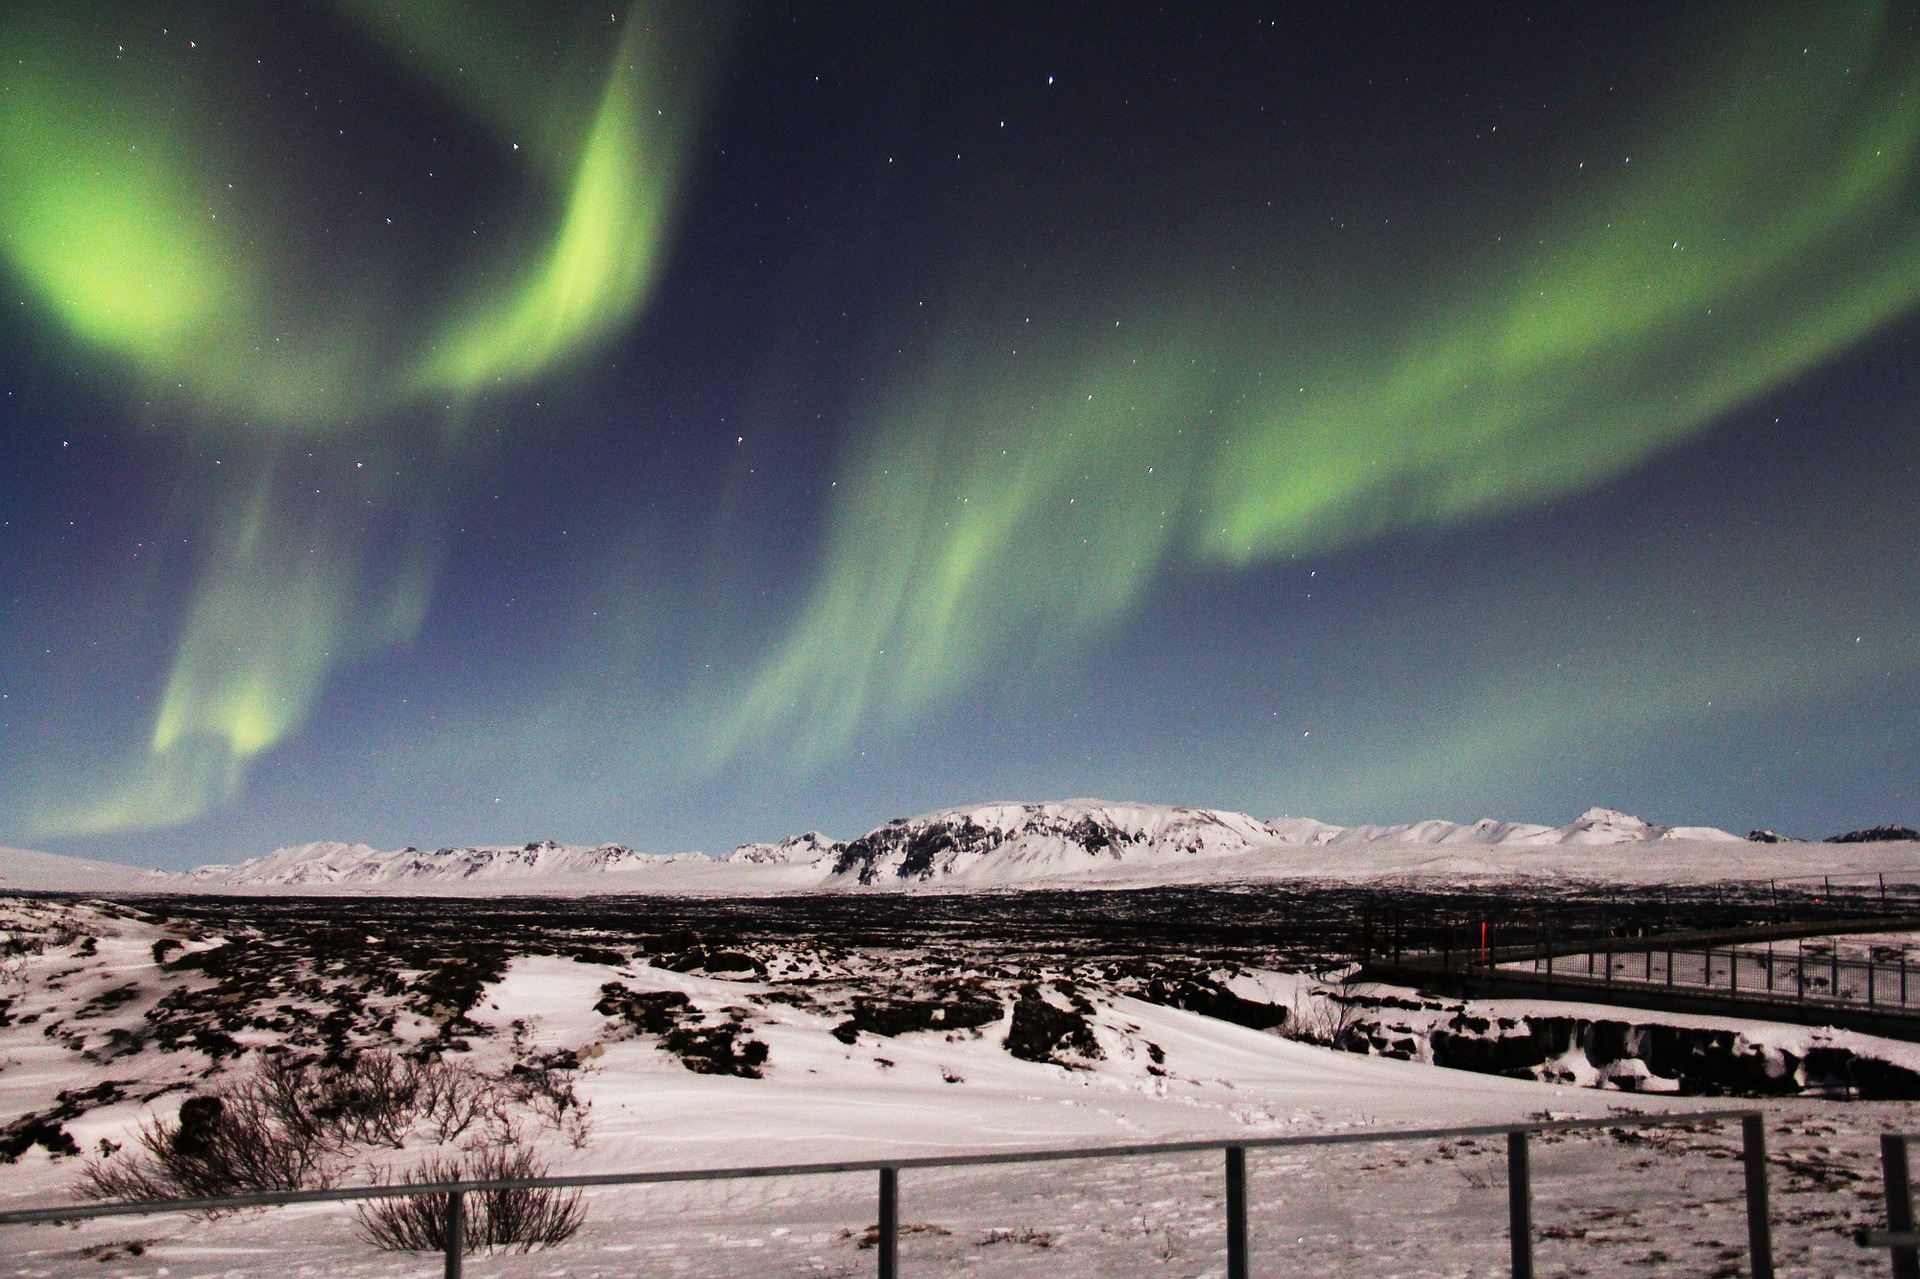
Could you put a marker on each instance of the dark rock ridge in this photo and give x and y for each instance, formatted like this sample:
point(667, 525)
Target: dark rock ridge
point(1210, 999)
point(705, 1045)
point(1050, 1025)
point(1875, 835)
point(955, 1009)
point(1689, 1060)
point(1021, 840)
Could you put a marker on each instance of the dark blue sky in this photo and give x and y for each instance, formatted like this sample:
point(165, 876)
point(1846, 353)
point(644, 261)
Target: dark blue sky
point(445, 424)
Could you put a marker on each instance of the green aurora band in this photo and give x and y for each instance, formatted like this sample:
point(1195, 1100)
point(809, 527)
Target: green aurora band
point(1026, 490)
point(116, 218)
point(1011, 506)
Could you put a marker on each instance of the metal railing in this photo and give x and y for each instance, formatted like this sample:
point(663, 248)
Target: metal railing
point(1821, 975)
point(1900, 1238)
point(886, 1243)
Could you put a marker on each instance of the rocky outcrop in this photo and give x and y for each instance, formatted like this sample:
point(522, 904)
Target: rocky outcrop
point(1008, 843)
point(1050, 1024)
point(1875, 835)
point(1639, 1057)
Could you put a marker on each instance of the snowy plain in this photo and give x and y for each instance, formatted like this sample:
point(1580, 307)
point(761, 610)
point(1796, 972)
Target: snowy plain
point(1607, 1201)
point(1416, 1208)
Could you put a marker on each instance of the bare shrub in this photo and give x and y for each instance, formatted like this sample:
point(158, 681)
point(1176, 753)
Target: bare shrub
point(542, 1082)
point(517, 1218)
point(546, 1088)
point(1323, 1016)
point(287, 1126)
point(372, 1099)
point(451, 1100)
point(222, 1145)
point(293, 1123)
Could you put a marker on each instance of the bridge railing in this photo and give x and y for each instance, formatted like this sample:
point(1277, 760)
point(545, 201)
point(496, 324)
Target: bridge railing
point(1821, 974)
point(886, 1242)
point(1899, 1238)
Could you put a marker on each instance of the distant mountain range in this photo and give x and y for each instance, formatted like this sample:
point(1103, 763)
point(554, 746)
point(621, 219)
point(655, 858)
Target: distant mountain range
point(981, 845)
point(1010, 843)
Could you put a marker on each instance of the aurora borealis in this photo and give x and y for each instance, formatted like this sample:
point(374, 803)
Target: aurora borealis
point(433, 423)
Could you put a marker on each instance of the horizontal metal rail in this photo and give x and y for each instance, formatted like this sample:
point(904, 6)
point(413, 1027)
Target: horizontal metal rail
point(1519, 1198)
point(1822, 978)
point(336, 1194)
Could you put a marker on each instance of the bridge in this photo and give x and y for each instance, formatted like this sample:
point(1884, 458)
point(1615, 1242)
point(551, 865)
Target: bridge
point(1790, 972)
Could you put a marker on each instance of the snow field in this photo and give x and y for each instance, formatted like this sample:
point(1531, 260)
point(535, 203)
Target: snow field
point(1667, 1203)
point(1605, 1204)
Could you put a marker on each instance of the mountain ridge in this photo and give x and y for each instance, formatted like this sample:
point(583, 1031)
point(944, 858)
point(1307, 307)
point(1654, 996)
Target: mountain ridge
point(995, 844)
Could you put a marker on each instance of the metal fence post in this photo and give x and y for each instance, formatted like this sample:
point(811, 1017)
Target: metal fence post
point(1519, 1205)
point(1236, 1212)
point(1893, 1173)
point(454, 1246)
point(1753, 1151)
point(887, 1243)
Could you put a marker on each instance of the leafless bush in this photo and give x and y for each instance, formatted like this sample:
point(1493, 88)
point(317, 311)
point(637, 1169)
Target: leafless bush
point(451, 1101)
point(543, 1083)
point(548, 1092)
point(373, 1099)
point(224, 1145)
point(518, 1218)
point(1484, 1176)
point(295, 1123)
point(1322, 1016)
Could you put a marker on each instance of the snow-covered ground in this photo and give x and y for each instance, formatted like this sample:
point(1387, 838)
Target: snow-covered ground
point(82, 1008)
point(1665, 1204)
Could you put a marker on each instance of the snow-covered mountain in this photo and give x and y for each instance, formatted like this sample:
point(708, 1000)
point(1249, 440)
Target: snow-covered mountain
point(980, 844)
point(1012, 843)
point(794, 850)
point(22, 869)
point(327, 862)
point(1006, 843)
point(983, 845)
point(1595, 826)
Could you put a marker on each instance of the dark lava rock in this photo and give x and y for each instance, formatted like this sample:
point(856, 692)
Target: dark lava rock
point(1210, 999)
point(1042, 1032)
point(717, 1050)
point(35, 1130)
point(706, 1049)
point(889, 1017)
point(653, 1012)
point(1875, 835)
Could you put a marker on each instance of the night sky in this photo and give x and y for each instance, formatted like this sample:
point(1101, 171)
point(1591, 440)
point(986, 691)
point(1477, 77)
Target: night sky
point(430, 423)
